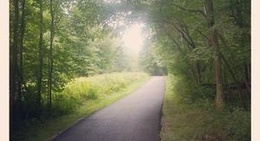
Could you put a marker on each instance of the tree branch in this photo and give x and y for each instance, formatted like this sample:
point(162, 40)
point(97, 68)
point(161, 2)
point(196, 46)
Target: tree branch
point(189, 10)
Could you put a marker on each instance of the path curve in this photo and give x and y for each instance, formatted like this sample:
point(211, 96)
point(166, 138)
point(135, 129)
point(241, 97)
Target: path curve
point(133, 118)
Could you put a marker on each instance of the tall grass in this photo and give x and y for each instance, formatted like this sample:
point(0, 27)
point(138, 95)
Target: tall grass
point(85, 89)
point(79, 99)
point(186, 118)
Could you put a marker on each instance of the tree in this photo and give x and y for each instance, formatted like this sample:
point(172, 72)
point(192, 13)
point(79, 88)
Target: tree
point(202, 32)
point(51, 55)
point(40, 61)
point(14, 55)
point(213, 42)
point(64, 31)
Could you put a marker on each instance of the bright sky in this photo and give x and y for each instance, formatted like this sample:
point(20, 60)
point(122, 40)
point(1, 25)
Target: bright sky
point(112, 1)
point(132, 38)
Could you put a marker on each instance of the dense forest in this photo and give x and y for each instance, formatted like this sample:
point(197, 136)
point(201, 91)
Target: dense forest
point(204, 46)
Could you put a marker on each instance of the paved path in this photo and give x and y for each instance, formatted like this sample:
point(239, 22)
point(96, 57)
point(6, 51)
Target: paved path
point(133, 118)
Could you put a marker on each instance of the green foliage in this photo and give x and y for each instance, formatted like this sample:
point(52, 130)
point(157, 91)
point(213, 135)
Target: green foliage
point(65, 116)
point(198, 120)
point(150, 61)
point(83, 47)
point(84, 89)
point(182, 35)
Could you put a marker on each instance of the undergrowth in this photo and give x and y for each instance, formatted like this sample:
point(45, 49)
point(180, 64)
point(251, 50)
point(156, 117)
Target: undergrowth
point(190, 118)
point(80, 98)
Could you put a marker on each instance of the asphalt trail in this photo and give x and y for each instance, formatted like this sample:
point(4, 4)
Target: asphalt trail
point(133, 118)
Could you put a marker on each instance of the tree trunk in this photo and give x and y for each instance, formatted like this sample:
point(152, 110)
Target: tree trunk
point(40, 61)
point(213, 42)
point(51, 57)
point(14, 58)
point(21, 42)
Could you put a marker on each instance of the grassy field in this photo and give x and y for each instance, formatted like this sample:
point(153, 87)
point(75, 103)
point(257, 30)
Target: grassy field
point(199, 121)
point(81, 98)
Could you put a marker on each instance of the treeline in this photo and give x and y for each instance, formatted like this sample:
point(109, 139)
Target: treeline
point(205, 46)
point(206, 43)
point(52, 42)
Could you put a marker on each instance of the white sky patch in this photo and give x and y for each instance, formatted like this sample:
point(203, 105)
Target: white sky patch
point(112, 1)
point(132, 38)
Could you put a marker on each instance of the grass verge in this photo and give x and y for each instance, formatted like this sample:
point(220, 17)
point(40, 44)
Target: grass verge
point(199, 121)
point(100, 91)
